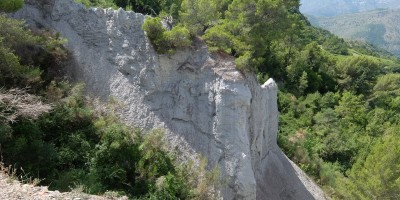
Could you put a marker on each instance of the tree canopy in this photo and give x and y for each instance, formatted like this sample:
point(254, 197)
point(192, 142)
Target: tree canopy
point(11, 5)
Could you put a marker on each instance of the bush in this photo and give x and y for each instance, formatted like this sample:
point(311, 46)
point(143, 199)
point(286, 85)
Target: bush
point(75, 145)
point(178, 37)
point(21, 51)
point(358, 73)
point(12, 37)
point(375, 176)
point(11, 5)
point(12, 73)
point(199, 15)
point(154, 29)
point(165, 41)
point(98, 3)
point(217, 39)
point(244, 62)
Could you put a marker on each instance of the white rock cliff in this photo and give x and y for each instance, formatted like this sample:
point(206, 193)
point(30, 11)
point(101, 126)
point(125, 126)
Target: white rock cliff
point(200, 99)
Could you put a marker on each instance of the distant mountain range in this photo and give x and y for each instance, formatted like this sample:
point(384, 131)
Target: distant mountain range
point(379, 27)
point(340, 7)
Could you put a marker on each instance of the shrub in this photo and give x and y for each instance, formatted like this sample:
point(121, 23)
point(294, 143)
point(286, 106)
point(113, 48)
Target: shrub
point(75, 145)
point(98, 3)
point(199, 15)
point(217, 39)
point(165, 41)
point(153, 28)
point(12, 37)
point(21, 51)
point(178, 37)
point(113, 162)
point(244, 62)
point(11, 5)
point(358, 74)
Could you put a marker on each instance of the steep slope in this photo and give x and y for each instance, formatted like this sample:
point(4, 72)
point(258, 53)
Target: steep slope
point(379, 27)
point(340, 7)
point(205, 105)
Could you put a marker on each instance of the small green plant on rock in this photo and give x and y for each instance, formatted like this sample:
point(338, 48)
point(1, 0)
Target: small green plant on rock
point(10, 5)
point(165, 41)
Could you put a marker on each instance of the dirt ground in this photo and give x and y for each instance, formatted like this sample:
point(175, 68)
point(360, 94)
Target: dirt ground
point(11, 189)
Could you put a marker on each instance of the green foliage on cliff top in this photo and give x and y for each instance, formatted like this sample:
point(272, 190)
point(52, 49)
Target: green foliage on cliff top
point(166, 41)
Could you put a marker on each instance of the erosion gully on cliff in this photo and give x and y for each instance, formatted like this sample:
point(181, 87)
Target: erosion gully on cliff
point(205, 105)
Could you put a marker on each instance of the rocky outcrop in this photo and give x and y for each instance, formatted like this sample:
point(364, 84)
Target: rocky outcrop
point(205, 105)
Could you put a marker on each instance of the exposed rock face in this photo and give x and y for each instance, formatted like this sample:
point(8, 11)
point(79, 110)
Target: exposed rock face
point(204, 104)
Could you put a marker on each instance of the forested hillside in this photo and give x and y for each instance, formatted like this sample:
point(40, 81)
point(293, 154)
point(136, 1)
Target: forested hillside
point(329, 8)
point(339, 102)
point(378, 27)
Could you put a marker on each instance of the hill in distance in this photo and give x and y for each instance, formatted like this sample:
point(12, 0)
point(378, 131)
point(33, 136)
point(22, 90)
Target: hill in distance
point(339, 7)
point(379, 27)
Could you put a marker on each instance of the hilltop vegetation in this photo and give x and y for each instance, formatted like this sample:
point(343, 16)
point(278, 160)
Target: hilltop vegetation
point(339, 103)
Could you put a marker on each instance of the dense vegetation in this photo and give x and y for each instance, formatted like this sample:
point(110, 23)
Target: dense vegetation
point(339, 103)
point(76, 146)
point(150, 7)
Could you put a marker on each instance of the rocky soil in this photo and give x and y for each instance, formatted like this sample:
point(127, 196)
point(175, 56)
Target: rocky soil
point(11, 189)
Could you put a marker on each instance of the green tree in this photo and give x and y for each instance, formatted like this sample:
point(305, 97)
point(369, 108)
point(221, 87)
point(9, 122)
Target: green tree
point(311, 65)
point(11, 5)
point(165, 41)
point(98, 3)
point(13, 37)
point(199, 15)
point(377, 176)
point(386, 92)
point(26, 58)
point(336, 45)
point(150, 7)
point(251, 26)
point(358, 73)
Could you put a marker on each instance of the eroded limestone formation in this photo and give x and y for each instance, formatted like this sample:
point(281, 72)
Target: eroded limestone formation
point(205, 105)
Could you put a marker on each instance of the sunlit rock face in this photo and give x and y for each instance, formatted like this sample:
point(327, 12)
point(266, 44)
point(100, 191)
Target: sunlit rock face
point(205, 105)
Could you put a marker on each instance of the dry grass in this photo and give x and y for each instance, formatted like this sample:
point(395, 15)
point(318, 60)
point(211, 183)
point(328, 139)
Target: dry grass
point(17, 102)
point(22, 177)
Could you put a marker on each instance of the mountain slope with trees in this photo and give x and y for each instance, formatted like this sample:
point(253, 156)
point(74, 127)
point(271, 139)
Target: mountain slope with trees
point(378, 27)
point(330, 8)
